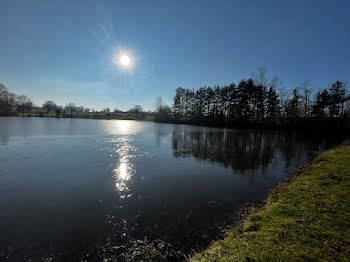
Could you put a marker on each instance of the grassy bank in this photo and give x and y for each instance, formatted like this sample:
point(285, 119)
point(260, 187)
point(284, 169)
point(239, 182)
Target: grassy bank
point(307, 219)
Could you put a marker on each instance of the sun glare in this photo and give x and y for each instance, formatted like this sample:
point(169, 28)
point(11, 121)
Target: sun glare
point(124, 60)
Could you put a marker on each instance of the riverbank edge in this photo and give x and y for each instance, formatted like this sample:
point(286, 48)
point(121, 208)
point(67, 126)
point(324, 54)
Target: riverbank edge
point(318, 228)
point(328, 128)
point(325, 126)
point(112, 117)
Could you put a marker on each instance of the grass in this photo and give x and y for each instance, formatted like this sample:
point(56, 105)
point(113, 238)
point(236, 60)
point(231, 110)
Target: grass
point(307, 219)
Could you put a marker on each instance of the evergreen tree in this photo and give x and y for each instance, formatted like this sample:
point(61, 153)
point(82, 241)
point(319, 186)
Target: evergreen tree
point(294, 103)
point(321, 102)
point(273, 103)
point(337, 99)
point(178, 105)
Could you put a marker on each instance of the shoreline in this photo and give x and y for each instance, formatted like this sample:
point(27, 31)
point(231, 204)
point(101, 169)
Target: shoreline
point(256, 238)
point(324, 128)
point(112, 117)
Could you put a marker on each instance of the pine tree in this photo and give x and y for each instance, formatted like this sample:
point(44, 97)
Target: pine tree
point(273, 103)
point(337, 99)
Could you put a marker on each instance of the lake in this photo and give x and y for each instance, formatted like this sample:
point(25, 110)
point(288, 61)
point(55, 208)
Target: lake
point(98, 190)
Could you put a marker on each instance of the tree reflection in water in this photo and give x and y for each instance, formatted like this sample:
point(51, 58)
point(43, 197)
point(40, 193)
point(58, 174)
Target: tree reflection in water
point(243, 150)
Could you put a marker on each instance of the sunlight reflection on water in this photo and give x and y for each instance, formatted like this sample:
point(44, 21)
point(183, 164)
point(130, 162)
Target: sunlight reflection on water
point(120, 145)
point(123, 127)
point(124, 168)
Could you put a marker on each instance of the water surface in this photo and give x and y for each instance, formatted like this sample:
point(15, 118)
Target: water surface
point(74, 189)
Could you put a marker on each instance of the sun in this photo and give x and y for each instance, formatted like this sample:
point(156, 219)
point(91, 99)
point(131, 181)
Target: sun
point(124, 60)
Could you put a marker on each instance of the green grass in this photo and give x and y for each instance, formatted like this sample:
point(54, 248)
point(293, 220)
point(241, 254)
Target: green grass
point(307, 219)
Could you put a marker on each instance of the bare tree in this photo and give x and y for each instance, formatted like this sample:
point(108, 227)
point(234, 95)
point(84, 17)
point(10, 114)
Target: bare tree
point(284, 99)
point(24, 104)
point(137, 109)
point(346, 105)
point(159, 103)
point(70, 107)
point(106, 110)
point(306, 91)
point(3, 91)
point(3, 97)
point(58, 110)
point(7, 99)
point(260, 77)
point(11, 101)
point(275, 82)
point(163, 112)
point(49, 107)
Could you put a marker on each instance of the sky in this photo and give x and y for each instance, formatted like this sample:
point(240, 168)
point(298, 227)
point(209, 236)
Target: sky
point(65, 51)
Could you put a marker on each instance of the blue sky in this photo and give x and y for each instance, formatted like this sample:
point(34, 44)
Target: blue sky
point(63, 50)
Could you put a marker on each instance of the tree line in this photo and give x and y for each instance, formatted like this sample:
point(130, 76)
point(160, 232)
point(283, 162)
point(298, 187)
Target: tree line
point(13, 104)
point(10, 102)
point(258, 101)
point(253, 102)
